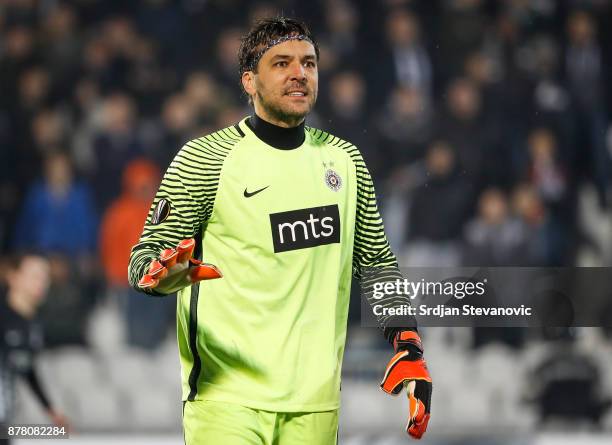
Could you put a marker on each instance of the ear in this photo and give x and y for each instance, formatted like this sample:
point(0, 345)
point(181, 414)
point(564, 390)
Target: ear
point(248, 82)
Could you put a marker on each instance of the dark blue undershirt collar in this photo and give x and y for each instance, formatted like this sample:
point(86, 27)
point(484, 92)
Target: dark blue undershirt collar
point(278, 137)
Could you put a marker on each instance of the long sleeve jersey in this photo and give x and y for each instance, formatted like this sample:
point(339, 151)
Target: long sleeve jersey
point(287, 228)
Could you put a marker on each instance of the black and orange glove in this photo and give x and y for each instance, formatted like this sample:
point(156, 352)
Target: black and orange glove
point(176, 268)
point(408, 368)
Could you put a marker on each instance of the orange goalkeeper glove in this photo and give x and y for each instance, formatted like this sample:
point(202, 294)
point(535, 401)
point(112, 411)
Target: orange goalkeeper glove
point(175, 269)
point(408, 368)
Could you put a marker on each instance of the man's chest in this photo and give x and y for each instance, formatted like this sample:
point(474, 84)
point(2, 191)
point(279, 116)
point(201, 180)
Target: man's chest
point(293, 199)
point(307, 173)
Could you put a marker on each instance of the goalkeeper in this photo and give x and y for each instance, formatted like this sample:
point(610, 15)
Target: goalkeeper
point(283, 215)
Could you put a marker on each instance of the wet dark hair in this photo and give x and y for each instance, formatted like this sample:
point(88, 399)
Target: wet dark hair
point(267, 33)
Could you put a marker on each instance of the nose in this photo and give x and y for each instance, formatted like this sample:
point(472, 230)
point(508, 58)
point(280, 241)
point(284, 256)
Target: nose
point(297, 71)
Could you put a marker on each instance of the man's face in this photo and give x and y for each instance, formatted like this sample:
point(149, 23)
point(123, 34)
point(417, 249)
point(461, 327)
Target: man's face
point(31, 279)
point(285, 86)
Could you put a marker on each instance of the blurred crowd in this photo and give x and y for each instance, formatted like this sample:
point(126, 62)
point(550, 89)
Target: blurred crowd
point(482, 119)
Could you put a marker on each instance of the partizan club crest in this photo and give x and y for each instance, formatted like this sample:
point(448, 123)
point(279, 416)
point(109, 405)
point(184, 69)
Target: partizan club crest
point(333, 180)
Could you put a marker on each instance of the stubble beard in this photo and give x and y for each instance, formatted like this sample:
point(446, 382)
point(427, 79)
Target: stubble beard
point(278, 113)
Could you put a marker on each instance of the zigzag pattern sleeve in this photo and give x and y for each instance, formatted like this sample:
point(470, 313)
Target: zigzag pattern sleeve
point(190, 185)
point(373, 259)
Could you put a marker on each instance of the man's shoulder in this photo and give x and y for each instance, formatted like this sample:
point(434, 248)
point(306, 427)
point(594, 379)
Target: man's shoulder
point(217, 143)
point(321, 137)
point(325, 137)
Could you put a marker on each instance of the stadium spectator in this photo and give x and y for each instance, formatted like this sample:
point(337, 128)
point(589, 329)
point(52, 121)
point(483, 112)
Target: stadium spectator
point(584, 66)
point(346, 110)
point(122, 220)
point(403, 60)
point(58, 215)
point(460, 31)
point(48, 130)
point(63, 52)
point(548, 176)
point(542, 232)
point(205, 95)
point(65, 313)
point(404, 127)
point(481, 69)
point(465, 127)
point(178, 124)
point(21, 339)
point(18, 54)
point(494, 237)
point(342, 20)
point(545, 171)
point(160, 19)
point(147, 322)
point(225, 65)
point(440, 207)
point(114, 146)
point(146, 79)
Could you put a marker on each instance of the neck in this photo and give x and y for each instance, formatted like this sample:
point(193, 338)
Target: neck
point(21, 305)
point(281, 137)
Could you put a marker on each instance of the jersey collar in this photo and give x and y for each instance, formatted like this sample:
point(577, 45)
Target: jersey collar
point(275, 136)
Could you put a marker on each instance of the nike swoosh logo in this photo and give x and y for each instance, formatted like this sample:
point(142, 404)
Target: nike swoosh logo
point(248, 195)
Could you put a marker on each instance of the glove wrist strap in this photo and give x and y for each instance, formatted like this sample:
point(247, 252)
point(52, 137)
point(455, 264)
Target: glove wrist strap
point(407, 340)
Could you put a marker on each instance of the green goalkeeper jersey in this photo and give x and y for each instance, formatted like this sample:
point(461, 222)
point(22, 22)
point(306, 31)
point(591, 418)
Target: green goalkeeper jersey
point(287, 228)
